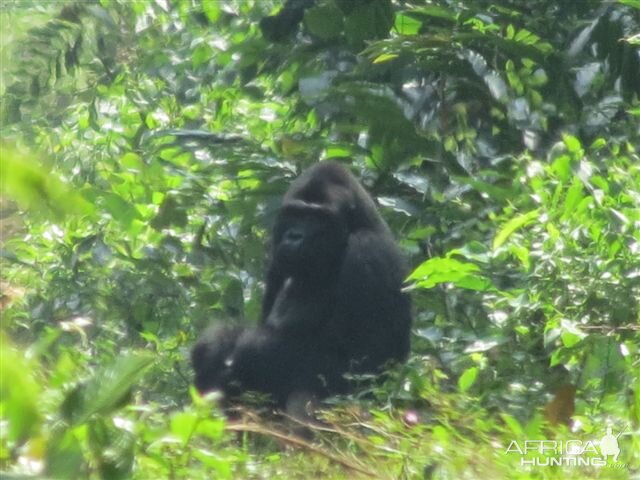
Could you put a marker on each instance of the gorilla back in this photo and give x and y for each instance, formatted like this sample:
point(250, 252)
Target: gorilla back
point(333, 302)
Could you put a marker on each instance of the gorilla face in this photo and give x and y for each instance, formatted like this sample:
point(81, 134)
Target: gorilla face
point(333, 302)
point(309, 240)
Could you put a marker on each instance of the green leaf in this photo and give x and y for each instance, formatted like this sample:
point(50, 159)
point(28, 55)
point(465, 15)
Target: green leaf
point(570, 333)
point(522, 254)
point(19, 393)
point(572, 143)
point(183, 425)
point(513, 424)
point(385, 57)
point(513, 225)
point(26, 181)
point(598, 143)
point(407, 25)
point(107, 390)
point(212, 428)
point(64, 457)
point(510, 32)
point(338, 151)
point(324, 21)
point(120, 209)
point(438, 264)
point(573, 198)
point(467, 379)
point(369, 21)
point(442, 270)
point(631, 3)
point(132, 162)
point(201, 55)
point(211, 9)
point(561, 166)
point(569, 339)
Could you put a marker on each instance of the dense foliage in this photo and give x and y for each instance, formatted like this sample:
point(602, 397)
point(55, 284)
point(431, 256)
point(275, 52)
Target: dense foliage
point(145, 146)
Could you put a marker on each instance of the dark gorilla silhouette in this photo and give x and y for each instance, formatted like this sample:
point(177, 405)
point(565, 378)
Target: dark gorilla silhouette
point(333, 302)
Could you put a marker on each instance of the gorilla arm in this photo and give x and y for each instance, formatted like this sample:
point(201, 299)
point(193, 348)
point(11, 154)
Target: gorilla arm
point(372, 319)
point(301, 309)
point(282, 364)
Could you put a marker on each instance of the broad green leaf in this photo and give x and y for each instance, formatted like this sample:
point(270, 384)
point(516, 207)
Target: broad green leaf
point(64, 455)
point(598, 143)
point(572, 143)
point(569, 339)
point(211, 427)
point(324, 21)
point(107, 390)
point(369, 21)
point(570, 333)
point(512, 225)
point(561, 166)
point(119, 209)
point(211, 9)
point(631, 3)
point(201, 55)
point(448, 270)
point(407, 25)
point(34, 187)
point(132, 162)
point(183, 425)
point(573, 198)
point(467, 379)
point(19, 393)
point(442, 265)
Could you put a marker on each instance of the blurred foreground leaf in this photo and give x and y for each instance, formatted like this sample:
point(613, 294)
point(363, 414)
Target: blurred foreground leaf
point(33, 187)
point(19, 393)
point(108, 390)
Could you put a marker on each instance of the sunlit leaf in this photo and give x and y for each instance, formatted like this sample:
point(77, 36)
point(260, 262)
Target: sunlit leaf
point(19, 393)
point(513, 225)
point(385, 57)
point(468, 378)
point(407, 25)
point(572, 143)
point(24, 180)
point(441, 270)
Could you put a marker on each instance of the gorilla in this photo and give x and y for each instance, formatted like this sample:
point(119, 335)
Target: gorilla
point(333, 302)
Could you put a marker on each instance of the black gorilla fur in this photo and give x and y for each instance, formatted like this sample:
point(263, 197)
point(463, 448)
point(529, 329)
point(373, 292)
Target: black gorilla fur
point(333, 302)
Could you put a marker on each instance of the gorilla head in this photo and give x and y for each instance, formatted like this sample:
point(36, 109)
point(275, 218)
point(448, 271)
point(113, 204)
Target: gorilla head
point(308, 239)
point(211, 355)
point(333, 302)
point(318, 213)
